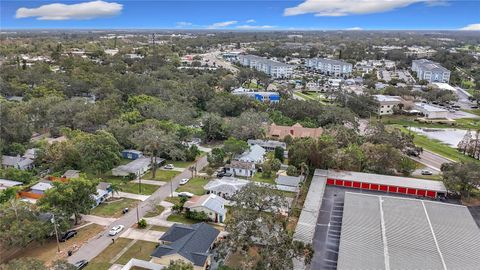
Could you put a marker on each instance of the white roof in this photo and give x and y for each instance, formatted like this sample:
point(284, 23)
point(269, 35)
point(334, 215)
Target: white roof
point(428, 107)
point(210, 201)
point(388, 180)
point(444, 86)
point(9, 183)
point(42, 186)
point(226, 185)
point(382, 232)
point(308, 217)
point(255, 154)
point(384, 98)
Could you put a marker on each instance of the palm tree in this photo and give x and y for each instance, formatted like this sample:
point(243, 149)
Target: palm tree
point(114, 188)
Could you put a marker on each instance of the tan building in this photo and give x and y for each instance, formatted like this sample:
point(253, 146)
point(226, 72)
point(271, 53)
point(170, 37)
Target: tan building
point(295, 131)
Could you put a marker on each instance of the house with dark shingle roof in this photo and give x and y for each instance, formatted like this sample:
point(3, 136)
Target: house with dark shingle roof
point(190, 243)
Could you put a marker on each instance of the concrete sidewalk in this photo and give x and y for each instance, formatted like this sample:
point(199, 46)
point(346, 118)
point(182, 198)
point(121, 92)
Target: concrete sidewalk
point(149, 182)
point(131, 196)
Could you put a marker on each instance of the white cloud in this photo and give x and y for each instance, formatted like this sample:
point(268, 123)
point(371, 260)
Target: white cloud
point(222, 24)
point(472, 27)
point(250, 21)
point(255, 26)
point(354, 29)
point(184, 24)
point(350, 7)
point(81, 11)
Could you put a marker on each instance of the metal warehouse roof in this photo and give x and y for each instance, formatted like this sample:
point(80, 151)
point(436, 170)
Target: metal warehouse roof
point(308, 217)
point(382, 232)
point(388, 180)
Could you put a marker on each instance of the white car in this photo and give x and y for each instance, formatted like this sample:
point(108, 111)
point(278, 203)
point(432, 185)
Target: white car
point(426, 172)
point(185, 194)
point(115, 230)
point(184, 181)
point(169, 167)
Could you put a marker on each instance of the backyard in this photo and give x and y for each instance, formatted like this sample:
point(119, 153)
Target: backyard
point(114, 208)
point(161, 175)
point(140, 250)
point(180, 218)
point(195, 186)
point(258, 177)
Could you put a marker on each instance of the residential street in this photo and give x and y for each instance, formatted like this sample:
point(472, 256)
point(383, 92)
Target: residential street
point(432, 160)
point(95, 246)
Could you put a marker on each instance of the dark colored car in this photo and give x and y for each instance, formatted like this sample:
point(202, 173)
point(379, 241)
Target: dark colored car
point(80, 264)
point(68, 235)
point(222, 174)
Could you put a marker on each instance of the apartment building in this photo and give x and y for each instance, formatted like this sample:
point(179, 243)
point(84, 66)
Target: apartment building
point(270, 67)
point(430, 71)
point(330, 66)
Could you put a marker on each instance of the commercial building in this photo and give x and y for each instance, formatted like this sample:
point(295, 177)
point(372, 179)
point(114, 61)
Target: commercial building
point(430, 71)
point(330, 66)
point(383, 232)
point(267, 97)
point(430, 111)
point(270, 67)
point(388, 104)
point(295, 131)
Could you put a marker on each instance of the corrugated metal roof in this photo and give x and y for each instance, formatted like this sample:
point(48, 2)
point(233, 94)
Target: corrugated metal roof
point(308, 218)
point(382, 232)
point(388, 180)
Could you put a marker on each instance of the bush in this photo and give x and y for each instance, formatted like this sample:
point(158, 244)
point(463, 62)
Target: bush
point(279, 153)
point(292, 171)
point(142, 223)
point(200, 216)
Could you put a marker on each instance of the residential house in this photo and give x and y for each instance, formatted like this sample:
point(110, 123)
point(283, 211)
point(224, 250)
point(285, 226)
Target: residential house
point(4, 184)
point(288, 183)
point(189, 243)
point(241, 168)
point(330, 66)
point(103, 192)
point(225, 187)
point(212, 205)
point(132, 154)
point(69, 174)
point(387, 104)
point(295, 131)
point(430, 71)
point(255, 154)
point(137, 167)
point(268, 145)
point(31, 153)
point(17, 162)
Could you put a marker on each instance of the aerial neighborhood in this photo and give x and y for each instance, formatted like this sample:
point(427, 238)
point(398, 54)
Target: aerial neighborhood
point(236, 145)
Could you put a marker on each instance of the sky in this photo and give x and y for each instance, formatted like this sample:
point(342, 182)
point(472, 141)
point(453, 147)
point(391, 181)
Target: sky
point(242, 15)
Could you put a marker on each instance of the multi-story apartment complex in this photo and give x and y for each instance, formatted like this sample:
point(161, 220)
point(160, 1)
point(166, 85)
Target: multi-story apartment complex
point(430, 71)
point(330, 66)
point(272, 68)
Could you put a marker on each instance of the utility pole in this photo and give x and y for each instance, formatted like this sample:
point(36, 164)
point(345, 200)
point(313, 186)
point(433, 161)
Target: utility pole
point(171, 189)
point(56, 232)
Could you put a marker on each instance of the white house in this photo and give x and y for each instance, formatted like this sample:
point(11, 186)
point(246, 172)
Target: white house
point(225, 187)
point(430, 111)
point(241, 168)
point(210, 204)
point(255, 154)
point(138, 167)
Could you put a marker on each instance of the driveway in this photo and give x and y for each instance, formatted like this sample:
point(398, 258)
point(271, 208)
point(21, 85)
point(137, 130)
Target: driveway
point(98, 220)
point(142, 234)
point(94, 247)
point(131, 196)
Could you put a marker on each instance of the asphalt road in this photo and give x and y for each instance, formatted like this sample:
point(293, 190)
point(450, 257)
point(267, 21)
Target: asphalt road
point(215, 57)
point(95, 246)
point(431, 160)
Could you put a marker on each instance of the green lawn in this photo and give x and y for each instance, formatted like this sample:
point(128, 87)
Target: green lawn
point(180, 219)
point(102, 261)
point(173, 200)
point(180, 164)
point(259, 178)
point(161, 175)
point(159, 228)
point(195, 186)
point(114, 208)
point(133, 188)
point(476, 111)
point(157, 211)
point(140, 250)
point(402, 120)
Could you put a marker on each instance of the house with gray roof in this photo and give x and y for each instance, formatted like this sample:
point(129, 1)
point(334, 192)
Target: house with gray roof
point(225, 187)
point(288, 183)
point(241, 168)
point(268, 145)
point(138, 167)
point(17, 162)
point(4, 184)
point(255, 154)
point(189, 243)
point(212, 205)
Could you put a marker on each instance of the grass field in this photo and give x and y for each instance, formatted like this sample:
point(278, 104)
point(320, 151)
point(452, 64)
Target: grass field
point(47, 252)
point(157, 211)
point(102, 261)
point(180, 164)
point(464, 123)
point(124, 184)
point(159, 228)
point(180, 219)
point(173, 200)
point(161, 175)
point(259, 178)
point(114, 208)
point(140, 250)
point(195, 186)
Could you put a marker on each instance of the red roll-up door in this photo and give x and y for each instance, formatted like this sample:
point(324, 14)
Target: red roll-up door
point(339, 182)
point(402, 190)
point(392, 189)
point(373, 187)
point(421, 192)
point(383, 188)
point(347, 183)
point(412, 191)
point(365, 185)
point(431, 194)
point(330, 181)
point(357, 184)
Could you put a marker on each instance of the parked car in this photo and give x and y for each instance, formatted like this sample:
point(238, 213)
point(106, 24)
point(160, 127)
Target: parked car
point(184, 181)
point(169, 167)
point(222, 174)
point(474, 107)
point(80, 264)
point(185, 194)
point(426, 172)
point(115, 230)
point(69, 234)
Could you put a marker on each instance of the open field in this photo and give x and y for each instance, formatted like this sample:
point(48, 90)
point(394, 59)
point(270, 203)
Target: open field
point(181, 219)
point(114, 208)
point(161, 175)
point(140, 250)
point(195, 186)
point(258, 177)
